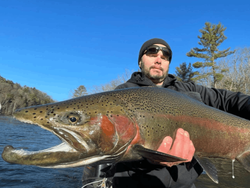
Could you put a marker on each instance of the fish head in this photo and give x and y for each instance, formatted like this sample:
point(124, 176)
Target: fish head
point(91, 129)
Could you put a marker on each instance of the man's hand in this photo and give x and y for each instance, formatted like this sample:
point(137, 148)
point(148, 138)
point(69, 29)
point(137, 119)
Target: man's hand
point(182, 147)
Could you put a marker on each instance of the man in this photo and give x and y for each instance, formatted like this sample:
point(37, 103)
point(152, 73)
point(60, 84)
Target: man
point(154, 58)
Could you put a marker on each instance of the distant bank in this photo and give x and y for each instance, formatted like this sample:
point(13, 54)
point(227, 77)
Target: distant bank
point(14, 96)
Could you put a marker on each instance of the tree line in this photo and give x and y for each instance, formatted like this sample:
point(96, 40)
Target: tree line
point(81, 90)
point(14, 96)
point(222, 69)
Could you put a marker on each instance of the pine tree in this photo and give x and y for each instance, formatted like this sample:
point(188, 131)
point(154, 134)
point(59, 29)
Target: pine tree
point(80, 91)
point(211, 37)
point(184, 73)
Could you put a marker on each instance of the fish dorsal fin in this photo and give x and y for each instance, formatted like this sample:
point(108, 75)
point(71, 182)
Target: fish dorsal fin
point(155, 155)
point(209, 168)
point(193, 95)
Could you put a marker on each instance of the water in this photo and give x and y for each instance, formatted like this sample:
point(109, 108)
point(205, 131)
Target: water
point(224, 166)
point(32, 138)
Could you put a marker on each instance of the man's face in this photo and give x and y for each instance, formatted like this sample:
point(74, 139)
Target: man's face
point(155, 66)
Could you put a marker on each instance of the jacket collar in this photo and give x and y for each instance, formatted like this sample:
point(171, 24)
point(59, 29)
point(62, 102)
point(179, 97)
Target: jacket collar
point(140, 79)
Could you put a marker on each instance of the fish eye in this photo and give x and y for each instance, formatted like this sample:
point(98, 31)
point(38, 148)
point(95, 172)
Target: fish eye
point(73, 119)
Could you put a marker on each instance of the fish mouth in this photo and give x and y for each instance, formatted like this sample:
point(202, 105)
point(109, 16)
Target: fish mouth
point(60, 156)
point(72, 152)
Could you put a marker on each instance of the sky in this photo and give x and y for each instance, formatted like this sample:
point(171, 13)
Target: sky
point(58, 45)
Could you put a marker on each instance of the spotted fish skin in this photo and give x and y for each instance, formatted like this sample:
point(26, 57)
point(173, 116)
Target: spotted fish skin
point(106, 126)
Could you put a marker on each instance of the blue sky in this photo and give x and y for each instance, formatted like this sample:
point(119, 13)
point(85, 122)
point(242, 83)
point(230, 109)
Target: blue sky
point(57, 45)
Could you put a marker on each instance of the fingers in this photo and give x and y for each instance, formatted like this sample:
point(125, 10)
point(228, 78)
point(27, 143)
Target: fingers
point(181, 144)
point(177, 148)
point(165, 145)
point(182, 147)
point(191, 151)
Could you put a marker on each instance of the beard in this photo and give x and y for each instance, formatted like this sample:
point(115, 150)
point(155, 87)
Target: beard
point(156, 78)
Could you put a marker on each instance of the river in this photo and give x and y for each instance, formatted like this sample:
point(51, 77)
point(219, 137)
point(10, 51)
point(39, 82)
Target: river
point(29, 137)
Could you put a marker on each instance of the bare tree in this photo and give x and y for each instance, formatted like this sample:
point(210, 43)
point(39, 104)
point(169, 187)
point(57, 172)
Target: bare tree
point(238, 76)
point(113, 83)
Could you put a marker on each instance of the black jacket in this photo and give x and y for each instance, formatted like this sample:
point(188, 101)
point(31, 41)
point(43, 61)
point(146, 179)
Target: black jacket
point(144, 174)
point(127, 174)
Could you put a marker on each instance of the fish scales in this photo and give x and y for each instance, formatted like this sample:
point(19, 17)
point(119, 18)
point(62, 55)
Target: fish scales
point(106, 126)
point(206, 125)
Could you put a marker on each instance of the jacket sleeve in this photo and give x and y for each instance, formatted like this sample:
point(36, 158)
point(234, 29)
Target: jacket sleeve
point(235, 103)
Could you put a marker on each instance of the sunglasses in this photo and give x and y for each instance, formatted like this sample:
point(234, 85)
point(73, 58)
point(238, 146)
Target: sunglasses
point(155, 49)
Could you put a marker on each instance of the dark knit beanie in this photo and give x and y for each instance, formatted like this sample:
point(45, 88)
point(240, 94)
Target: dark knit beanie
point(150, 43)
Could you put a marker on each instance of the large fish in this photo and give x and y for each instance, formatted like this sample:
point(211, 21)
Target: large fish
point(130, 124)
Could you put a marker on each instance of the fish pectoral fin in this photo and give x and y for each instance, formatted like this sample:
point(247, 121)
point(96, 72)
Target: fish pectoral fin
point(209, 168)
point(156, 155)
